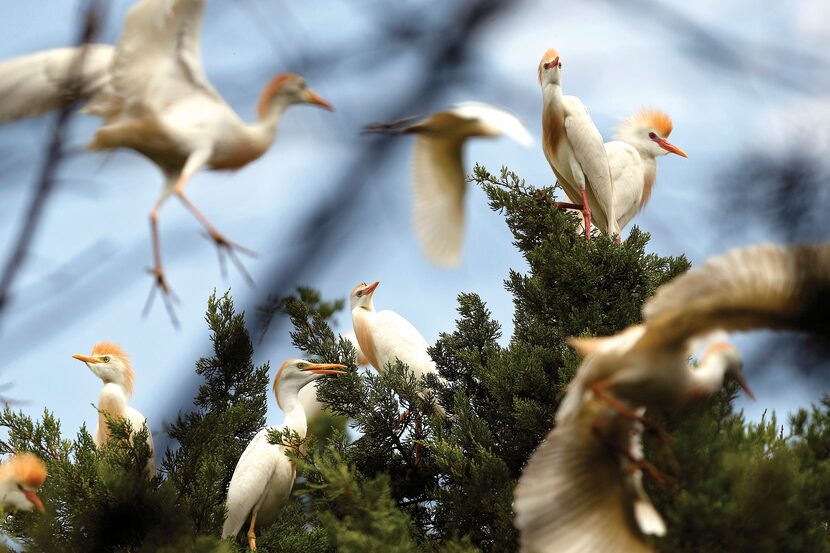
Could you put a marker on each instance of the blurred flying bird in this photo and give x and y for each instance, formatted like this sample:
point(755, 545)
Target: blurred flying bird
point(111, 364)
point(573, 146)
point(308, 395)
point(20, 476)
point(264, 476)
point(438, 178)
point(385, 336)
point(154, 96)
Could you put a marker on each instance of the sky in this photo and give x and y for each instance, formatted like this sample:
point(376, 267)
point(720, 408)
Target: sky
point(85, 280)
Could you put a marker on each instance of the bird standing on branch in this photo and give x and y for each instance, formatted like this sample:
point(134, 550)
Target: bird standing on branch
point(20, 476)
point(110, 363)
point(573, 146)
point(264, 476)
point(438, 178)
point(155, 98)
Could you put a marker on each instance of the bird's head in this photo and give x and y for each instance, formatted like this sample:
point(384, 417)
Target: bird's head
point(294, 374)
point(550, 68)
point(361, 296)
point(730, 357)
point(647, 130)
point(287, 89)
point(21, 475)
point(111, 364)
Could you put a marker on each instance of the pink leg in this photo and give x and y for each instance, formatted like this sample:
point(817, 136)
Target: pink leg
point(586, 213)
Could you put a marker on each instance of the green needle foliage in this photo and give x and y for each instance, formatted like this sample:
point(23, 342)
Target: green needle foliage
point(382, 472)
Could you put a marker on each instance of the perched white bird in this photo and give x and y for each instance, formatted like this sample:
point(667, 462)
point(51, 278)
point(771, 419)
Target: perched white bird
point(308, 395)
point(573, 146)
point(20, 476)
point(385, 336)
point(111, 364)
point(438, 178)
point(264, 476)
point(154, 96)
point(632, 156)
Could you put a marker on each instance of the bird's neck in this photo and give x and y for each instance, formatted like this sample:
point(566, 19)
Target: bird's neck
point(269, 121)
point(552, 94)
point(118, 389)
point(295, 417)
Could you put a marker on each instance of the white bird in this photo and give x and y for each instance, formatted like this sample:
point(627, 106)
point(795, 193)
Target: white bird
point(20, 476)
point(438, 178)
point(573, 146)
point(110, 363)
point(154, 96)
point(264, 476)
point(385, 336)
point(308, 395)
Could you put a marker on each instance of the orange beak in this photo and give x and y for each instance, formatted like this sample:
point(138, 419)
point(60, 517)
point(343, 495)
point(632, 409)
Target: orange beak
point(34, 500)
point(553, 63)
point(325, 368)
point(669, 147)
point(85, 358)
point(314, 98)
point(371, 288)
point(745, 385)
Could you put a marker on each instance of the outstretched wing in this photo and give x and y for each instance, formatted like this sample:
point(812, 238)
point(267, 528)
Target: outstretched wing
point(495, 121)
point(766, 286)
point(36, 84)
point(574, 495)
point(158, 59)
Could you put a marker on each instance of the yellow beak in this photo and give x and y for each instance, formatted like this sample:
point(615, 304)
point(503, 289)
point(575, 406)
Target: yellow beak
point(325, 368)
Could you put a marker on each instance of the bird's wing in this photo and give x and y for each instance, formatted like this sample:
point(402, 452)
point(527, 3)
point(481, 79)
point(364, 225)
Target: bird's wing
point(36, 84)
point(395, 337)
point(574, 494)
point(158, 59)
point(589, 151)
point(249, 480)
point(627, 174)
point(496, 120)
point(137, 420)
point(360, 357)
point(766, 286)
point(438, 188)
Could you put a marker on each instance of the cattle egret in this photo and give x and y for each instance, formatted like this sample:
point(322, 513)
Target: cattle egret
point(385, 336)
point(438, 178)
point(155, 98)
point(111, 364)
point(20, 476)
point(308, 395)
point(264, 476)
point(573, 146)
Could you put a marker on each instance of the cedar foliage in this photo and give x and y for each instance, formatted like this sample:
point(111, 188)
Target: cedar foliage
point(400, 479)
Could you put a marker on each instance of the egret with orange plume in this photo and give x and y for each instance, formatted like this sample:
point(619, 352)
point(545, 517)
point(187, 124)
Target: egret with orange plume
point(20, 476)
point(438, 180)
point(264, 476)
point(155, 98)
point(385, 336)
point(112, 365)
point(574, 148)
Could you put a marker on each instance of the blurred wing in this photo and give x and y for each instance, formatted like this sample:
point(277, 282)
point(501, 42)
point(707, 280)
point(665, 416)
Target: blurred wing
point(589, 150)
point(573, 495)
point(36, 84)
point(627, 174)
point(157, 59)
point(496, 120)
point(766, 286)
point(439, 186)
point(250, 477)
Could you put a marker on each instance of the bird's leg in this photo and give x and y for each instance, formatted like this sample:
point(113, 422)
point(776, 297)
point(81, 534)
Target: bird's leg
point(599, 389)
point(586, 213)
point(251, 533)
point(663, 480)
point(566, 205)
point(167, 295)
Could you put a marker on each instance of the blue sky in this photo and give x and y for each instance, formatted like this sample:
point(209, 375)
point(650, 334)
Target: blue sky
point(614, 60)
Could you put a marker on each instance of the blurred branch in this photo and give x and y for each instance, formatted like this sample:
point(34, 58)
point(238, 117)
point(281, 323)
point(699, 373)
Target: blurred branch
point(93, 15)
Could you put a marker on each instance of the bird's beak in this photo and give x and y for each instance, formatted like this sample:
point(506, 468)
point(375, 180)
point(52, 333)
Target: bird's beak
point(85, 358)
point(745, 385)
point(326, 368)
point(314, 98)
point(371, 288)
point(669, 147)
point(552, 63)
point(34, 500)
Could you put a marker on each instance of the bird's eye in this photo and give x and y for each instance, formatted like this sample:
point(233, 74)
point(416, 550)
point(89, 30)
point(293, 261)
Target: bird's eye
point(106, 359)
point(301, 365)
point(359, 293)
point(652, 136)
point(560, 65)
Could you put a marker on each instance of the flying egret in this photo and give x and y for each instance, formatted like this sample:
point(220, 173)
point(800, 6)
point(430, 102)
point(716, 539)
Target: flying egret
point(438, 178)
point(155, 98)
point(385, 336)
point(264, 476)
point(110, 363)
point(573, 146)
point(20, 476)
point(308, 395)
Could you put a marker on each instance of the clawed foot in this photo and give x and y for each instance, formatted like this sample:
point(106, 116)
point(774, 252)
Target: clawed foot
point(167, 295)
point(223, 246)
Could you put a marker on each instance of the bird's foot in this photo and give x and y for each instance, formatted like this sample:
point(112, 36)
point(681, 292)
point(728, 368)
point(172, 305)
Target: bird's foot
point(167, 296)
point(252, 542)
point(224, 246)
point(660, 478)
